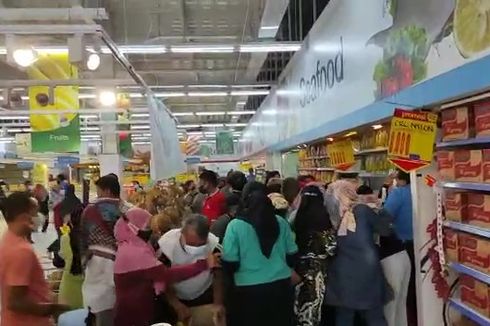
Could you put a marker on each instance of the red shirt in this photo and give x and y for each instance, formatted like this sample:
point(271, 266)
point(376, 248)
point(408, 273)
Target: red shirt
point(214, 206)
point(20, 267)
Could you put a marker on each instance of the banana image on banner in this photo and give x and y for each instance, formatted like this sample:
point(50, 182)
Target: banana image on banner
point(54, 132)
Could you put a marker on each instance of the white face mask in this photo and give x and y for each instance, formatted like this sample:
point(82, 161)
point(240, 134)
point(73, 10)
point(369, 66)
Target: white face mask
point(195, 251)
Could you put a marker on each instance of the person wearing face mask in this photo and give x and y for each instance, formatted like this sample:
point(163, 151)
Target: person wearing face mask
point(138, 274)
point(198, 298)
point(26, 296)
point(215, 203)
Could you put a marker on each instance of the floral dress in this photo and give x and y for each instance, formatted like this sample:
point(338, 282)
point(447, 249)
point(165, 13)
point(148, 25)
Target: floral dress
point(312, 267)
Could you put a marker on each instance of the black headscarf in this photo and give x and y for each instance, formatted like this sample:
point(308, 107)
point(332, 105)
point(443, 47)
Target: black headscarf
point(257, 210)
point(71, 202)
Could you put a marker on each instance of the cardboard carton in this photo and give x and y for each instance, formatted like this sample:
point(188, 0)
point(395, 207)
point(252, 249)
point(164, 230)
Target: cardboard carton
point(474, 251)
point(455, 205)
point(445, 165)
point(486, 165)
point(451, 244)
point(474, 294)
point(478, 209)
point(468, 165)
point(455, 123)
point(482, 119)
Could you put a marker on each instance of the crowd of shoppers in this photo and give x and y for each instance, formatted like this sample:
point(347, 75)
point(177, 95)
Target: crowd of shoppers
point(287, 252)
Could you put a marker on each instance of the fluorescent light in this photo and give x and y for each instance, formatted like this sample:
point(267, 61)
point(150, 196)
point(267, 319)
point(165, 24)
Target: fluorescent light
point(376, 127)
point(14, 117)
point(250, 92)
point(269, 27)
point(182, 114)
point(257, 47)
point(194, 133)
point(206, 86)
point(212, 125)
point(210, 113)
point(204, 94)
point(140, 115)
point(136, 95)
point(236, 124)
point(89, 128)
point(139, 127)
point(86, 96)
point(139, 138)
point(141, 143)
point(188, 126)
point(170, 94)
point(14, 130)
point(202, 49)
point(350, 133)
point(143, 49)
point(90, 136)
point(329, 139)
point(244, 112)
point(88, 116)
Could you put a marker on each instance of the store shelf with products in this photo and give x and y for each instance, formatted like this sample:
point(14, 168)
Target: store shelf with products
point(464, 142)
point(462, 269)
point(476, 230)
point(469, 312)
point(473, 186)
point(371, 151)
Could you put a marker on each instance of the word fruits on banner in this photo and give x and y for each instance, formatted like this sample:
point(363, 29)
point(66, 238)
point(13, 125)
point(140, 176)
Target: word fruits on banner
point(411, 139)
point(341, 154)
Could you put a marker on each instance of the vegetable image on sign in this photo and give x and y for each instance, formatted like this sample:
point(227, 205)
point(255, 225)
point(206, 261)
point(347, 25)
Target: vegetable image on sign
point(341, 154)
point(412, 138)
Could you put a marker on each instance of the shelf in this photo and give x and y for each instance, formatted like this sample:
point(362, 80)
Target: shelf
point(469, 312)
point(314, 158)
point(466, 186)
point(483, 232)
point(460, 268)
point(373, 175)
point(316, 169)
point(371, 151)
point(464, 142)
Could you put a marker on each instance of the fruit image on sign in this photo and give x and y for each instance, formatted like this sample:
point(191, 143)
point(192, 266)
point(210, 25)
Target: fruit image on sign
point(471, 26)
point(341, 154)
point(54, 132)
point(412, 138)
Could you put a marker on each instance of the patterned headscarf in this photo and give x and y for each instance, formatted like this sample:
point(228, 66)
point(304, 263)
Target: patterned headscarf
point(344, 192)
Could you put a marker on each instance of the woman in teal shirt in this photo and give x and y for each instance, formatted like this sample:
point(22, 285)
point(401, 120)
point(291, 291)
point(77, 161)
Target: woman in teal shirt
point(259, 250)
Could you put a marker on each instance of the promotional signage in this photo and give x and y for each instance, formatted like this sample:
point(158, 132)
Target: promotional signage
point(357, 55)
point(224, 142)
point(54, 132)
point(341, 154)
point(63, 162)
point(411, 140)
point(23, 144)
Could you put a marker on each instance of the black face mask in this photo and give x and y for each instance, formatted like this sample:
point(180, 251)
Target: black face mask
point(145, 235)
point(202, 190)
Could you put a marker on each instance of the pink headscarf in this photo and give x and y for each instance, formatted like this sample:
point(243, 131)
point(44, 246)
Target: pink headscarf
point(133, 253)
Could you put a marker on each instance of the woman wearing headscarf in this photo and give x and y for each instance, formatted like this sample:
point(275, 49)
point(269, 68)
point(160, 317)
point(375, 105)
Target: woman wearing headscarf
point(259, 251)
point(138, 275)
point(356, 281)
point(316, 242)
point(72, 279)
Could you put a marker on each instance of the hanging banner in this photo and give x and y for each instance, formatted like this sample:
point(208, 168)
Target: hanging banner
point(166, 158)
point(341, 154)
point(123, 101)
point(23, 144)
point(411, 139)
point(224, 142)
point(54, 132)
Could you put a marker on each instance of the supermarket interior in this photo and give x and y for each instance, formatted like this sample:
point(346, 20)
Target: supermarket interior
point(181, 111)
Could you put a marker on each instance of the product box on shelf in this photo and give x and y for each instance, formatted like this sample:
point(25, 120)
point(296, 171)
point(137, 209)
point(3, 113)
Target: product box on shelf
point(482, 119)
point(445, 164)
point(474, 294)
point(486, 165)
point(455, 123)
point(478, 209)
point(455, 206)
point(468, 165)
point(474, 251)
point(451, 244)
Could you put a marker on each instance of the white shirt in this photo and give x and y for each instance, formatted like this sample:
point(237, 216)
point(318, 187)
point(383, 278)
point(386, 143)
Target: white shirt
point(3, 226)
point(172, 248)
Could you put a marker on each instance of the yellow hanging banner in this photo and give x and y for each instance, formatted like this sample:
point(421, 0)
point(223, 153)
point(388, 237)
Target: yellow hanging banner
point(341, 154)
point(412, 137)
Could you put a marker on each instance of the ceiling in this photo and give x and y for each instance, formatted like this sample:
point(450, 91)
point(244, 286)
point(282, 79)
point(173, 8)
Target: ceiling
point(176, 22)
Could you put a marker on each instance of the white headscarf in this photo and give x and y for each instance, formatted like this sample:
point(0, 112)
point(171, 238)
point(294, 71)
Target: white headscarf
point(344, 192)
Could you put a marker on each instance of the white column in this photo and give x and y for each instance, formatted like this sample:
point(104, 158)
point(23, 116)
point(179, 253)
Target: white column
point(110, 161)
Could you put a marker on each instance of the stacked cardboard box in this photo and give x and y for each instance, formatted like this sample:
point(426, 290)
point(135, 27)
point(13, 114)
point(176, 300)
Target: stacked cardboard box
point(475, 294)
point(474, 251)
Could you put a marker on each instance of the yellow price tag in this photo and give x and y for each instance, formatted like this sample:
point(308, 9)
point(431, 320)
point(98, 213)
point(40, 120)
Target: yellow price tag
point(341, 154)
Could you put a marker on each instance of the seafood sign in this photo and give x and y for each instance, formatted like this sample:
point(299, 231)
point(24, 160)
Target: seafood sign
point(412, 137)
point(54, 132)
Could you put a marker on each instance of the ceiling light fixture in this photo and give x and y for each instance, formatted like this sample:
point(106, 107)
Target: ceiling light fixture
point(202, 49)
point(212, 125)
point(244, 112)
point(140, 115)
point(139, 127)
point(182, 114)
point(210, 113)
point(188, 126)
point(207, 94)
point(250, 92)
point(376, 127)
point(107, 98)
point(269, 27)
point(24, 57)
point(93, 61)
point(236, 124)
point(258, 47)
